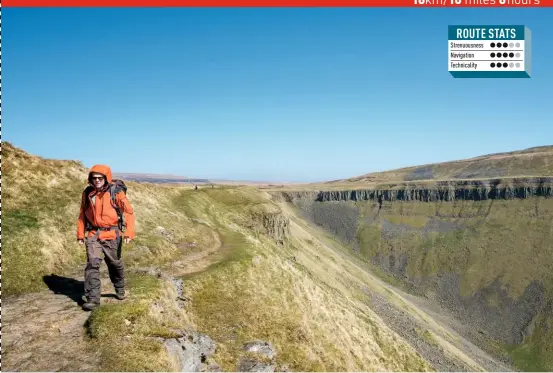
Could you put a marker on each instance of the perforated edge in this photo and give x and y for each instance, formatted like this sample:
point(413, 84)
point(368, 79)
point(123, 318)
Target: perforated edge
point(0, 186)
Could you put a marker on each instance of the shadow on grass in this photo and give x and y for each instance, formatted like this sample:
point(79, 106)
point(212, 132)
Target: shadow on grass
point(74, 289)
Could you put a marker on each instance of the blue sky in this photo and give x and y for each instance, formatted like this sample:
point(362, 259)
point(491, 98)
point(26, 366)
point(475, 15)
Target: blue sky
point(265, 94)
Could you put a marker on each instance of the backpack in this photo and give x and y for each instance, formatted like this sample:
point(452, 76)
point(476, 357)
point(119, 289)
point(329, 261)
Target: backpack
point(115, 187)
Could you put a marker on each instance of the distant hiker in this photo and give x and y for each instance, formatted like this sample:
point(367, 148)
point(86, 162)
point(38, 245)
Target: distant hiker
point(107, 216)
point(195, 187)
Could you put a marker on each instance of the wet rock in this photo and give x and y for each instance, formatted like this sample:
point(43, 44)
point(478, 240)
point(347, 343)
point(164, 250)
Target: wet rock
point(250, 365)
point(179, 287)
point(191, 351)
point(260, 347)
point(265, 363)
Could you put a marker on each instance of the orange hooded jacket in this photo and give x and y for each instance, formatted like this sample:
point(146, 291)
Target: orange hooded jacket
point(101, 213)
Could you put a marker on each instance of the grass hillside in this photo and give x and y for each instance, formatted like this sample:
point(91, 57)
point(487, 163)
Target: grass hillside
point(536, 161)
point(246, 269)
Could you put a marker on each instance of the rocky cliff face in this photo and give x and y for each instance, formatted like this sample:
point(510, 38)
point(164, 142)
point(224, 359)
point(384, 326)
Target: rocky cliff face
point(273, 224)
point(473, 190)
point(480, 249)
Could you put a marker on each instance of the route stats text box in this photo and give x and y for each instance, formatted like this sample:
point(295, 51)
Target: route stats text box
point(489, 51)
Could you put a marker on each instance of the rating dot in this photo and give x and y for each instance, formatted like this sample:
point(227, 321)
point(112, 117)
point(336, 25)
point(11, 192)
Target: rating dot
point(505, 45)
point(517, 64)
point(517, 45)
point(505, 64)
point(492, 55)
point(511, 54)
point(498, 65)
point(511, 45)
point(498, 55)
point(517, 55)
point(505, 55)
point(492, 45)
point(499, 45)
point(492, 64)
point(511, 65)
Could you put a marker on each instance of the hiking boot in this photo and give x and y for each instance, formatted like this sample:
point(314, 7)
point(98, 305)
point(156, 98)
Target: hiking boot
point(120, 294)
point(89, 306)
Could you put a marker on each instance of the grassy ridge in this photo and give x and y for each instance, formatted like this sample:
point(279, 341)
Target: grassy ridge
point(250, 290)
point(258, 293)
point(529, 162)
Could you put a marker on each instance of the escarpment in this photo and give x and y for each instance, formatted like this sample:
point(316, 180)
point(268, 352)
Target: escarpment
point(277, 226)
point(274, 224)
point(479, 249)
point(470, 190)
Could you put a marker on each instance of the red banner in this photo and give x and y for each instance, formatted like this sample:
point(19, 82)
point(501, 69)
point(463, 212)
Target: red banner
point(282, 3)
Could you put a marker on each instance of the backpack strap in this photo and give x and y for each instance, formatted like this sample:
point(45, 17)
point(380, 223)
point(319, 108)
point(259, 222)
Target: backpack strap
point(113, 190)
point(86, 201)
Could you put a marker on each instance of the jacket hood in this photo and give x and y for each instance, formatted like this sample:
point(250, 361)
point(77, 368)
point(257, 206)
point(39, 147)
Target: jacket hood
point(101, 169)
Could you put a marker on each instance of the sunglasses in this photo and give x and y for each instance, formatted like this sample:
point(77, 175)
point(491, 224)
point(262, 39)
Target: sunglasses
point(97, 178)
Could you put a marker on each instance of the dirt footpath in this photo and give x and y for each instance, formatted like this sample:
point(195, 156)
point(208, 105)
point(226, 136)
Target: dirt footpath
point(46, 331)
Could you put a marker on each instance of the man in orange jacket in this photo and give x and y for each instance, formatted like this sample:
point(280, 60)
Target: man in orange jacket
point(99, 218)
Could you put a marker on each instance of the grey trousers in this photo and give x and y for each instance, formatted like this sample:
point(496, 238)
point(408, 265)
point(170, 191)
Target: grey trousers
point(94, 250)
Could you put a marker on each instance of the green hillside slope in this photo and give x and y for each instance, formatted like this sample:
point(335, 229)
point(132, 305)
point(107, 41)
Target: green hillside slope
point(226, 263)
